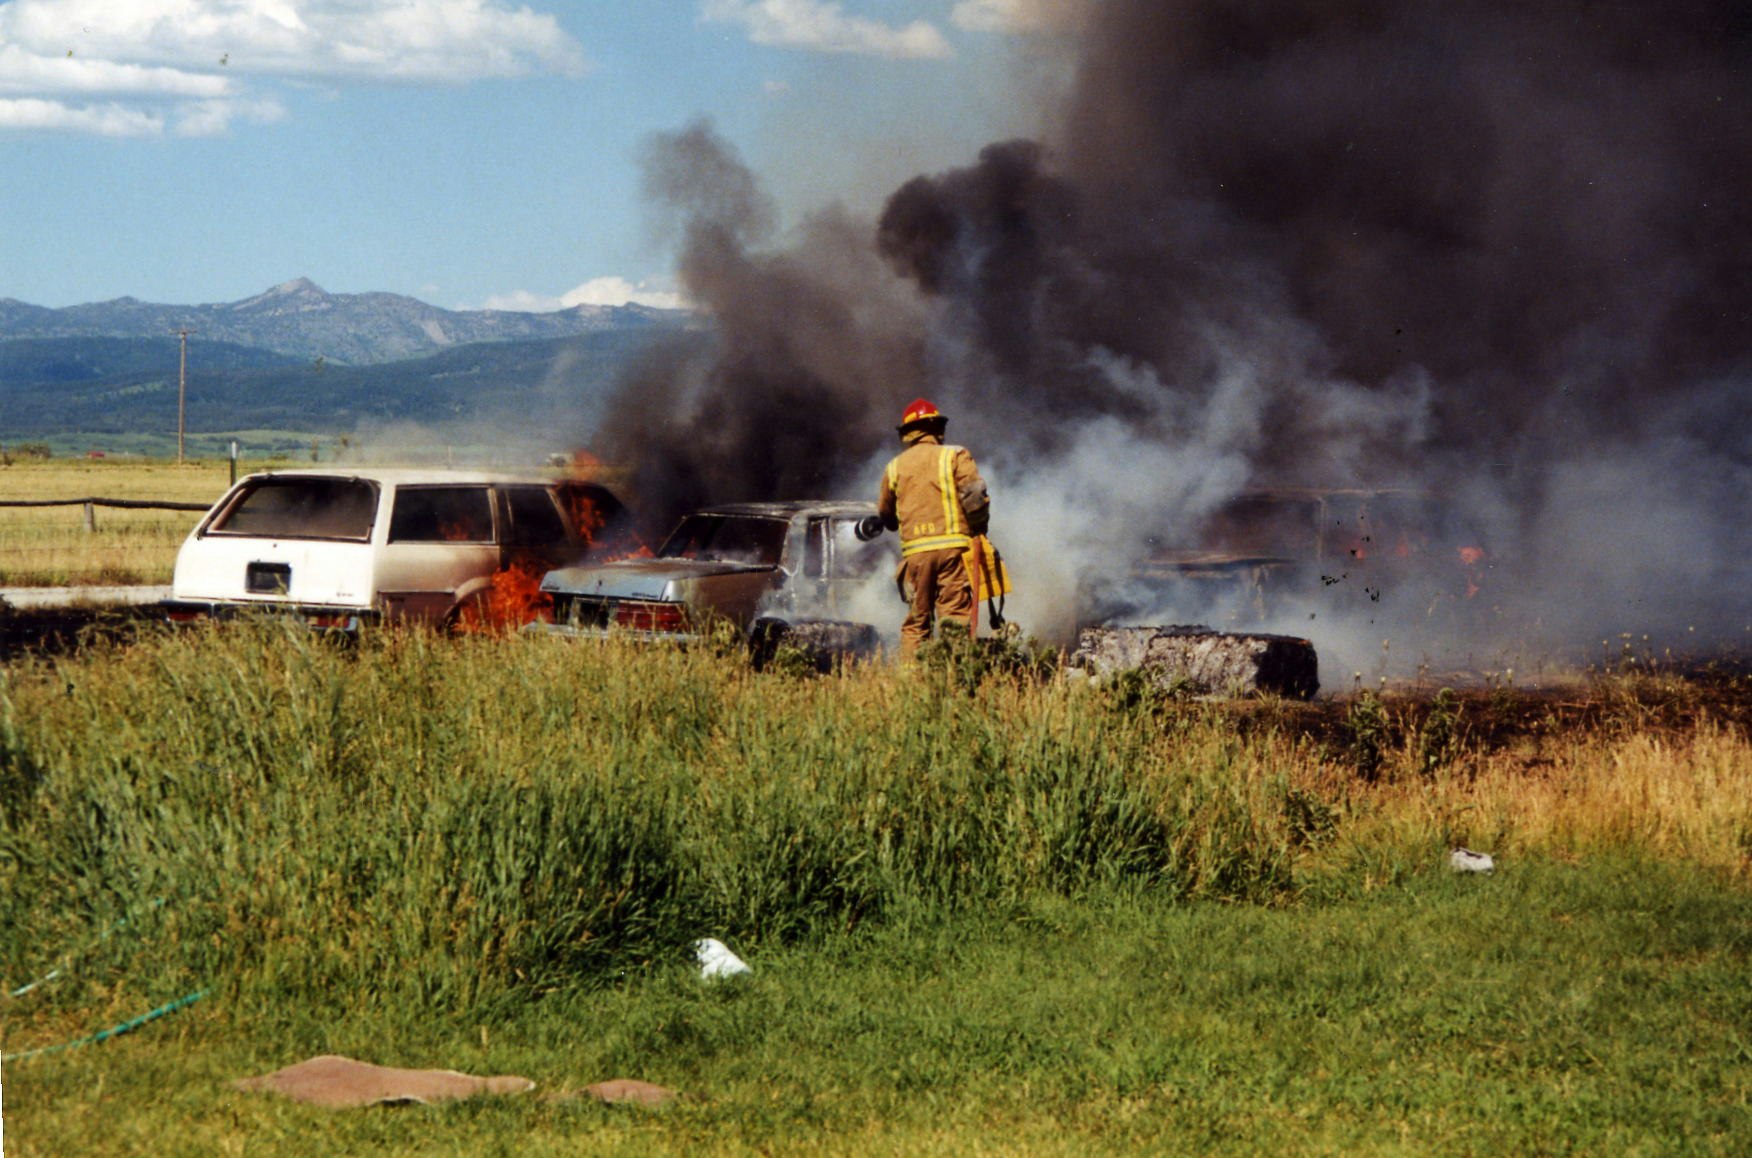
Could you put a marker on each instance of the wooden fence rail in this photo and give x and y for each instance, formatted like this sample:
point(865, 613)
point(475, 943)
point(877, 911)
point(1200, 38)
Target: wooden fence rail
point(92, 504)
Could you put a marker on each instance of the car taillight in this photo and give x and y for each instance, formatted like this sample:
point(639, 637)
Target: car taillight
point(639, 616)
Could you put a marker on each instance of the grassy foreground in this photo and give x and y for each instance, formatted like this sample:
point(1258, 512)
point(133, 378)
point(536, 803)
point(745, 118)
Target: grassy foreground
point(1036, 919)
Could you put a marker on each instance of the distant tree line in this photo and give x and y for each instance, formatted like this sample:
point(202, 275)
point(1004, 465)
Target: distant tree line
point(25, 452)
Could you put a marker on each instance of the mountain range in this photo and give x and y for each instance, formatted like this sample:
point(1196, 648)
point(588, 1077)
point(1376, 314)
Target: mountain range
point(298, 358)
point(301, 319)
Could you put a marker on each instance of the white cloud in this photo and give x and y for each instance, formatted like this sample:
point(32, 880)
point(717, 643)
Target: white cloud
point(106, 120)
point(824, 27)
point(600, 291)
point(208, 51)
point(1016, 15)
point(616, 291)
point(522, 302)
point(420, 40)
point(27, 72)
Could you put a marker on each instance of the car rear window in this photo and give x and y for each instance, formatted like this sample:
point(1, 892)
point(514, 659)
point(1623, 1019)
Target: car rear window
point(1256, 524)
point(854, 558)
point(1389, 525)
point(727, 539)
point(535, 521)
point(594, 509)
point(833, 550)
point(442, 515)
point(301, 508)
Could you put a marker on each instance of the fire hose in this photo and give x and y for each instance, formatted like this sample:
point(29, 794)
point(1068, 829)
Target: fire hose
point(132, 1023)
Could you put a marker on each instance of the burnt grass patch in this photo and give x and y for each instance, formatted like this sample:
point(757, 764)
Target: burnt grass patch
point(51, 631)
point(1445, 723)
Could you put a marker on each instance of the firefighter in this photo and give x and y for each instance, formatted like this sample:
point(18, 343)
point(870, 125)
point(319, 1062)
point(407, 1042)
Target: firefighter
point(933, 495)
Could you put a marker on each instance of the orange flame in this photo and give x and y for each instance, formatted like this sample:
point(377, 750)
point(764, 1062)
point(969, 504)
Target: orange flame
point(515, 598)
point(1471, 558)
point(585, 467)
point(586, 515)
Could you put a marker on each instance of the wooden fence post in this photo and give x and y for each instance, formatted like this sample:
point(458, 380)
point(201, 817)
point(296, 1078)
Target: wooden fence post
point(90, 517)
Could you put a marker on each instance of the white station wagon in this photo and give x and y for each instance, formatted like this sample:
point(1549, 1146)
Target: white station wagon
point(347, 547)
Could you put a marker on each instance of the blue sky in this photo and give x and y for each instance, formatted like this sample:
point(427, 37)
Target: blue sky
point(468, 152)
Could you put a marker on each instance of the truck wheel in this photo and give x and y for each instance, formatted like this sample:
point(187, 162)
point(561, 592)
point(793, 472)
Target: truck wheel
point(468, 617)
point(826, 642)
point(764, 637)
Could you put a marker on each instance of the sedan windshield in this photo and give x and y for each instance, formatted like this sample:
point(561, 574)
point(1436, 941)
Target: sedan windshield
point(727, 539)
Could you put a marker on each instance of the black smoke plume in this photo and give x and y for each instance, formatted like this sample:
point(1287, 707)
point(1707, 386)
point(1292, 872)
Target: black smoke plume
point(807, 344)
point(1497, 250)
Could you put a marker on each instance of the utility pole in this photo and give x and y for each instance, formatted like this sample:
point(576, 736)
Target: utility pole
point(182, 391)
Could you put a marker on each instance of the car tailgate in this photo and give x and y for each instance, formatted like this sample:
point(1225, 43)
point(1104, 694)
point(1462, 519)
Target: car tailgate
point(221, 569)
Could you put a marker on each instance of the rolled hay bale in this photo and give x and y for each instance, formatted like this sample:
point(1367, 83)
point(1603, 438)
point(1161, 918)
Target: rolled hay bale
point(1201, 661)
point(822, 642)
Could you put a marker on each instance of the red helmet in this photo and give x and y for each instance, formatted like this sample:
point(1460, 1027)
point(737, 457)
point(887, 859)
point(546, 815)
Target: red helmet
point(920, 412)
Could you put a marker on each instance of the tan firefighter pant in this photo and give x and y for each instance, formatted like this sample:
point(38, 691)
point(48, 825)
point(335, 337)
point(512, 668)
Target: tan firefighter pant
point(935, 585)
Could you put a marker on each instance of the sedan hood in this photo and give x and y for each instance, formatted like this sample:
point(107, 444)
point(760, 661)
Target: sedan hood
point(640, 578)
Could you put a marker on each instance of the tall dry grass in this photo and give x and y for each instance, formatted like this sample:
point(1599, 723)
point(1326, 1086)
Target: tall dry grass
point(1680, 798)
point(51, 547)
point(1648, 766)
point(462, 823)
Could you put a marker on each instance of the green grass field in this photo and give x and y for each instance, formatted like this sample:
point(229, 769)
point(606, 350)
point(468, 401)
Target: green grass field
point(1015, 917)
point(1598, 1009)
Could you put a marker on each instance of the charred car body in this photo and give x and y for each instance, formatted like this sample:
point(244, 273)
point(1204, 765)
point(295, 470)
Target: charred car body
point(346, 547)
point(779, 572)
point(1270, 550)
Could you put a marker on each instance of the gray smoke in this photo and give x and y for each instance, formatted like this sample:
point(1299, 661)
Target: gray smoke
point(1490, 250)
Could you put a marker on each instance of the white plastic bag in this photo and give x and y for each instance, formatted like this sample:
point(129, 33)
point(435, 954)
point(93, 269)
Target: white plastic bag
point(717, 961)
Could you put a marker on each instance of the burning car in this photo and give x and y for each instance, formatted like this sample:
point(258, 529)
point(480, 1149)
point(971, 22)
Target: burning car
point(1271, 547)
point(778, 572)
point(348, 547)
